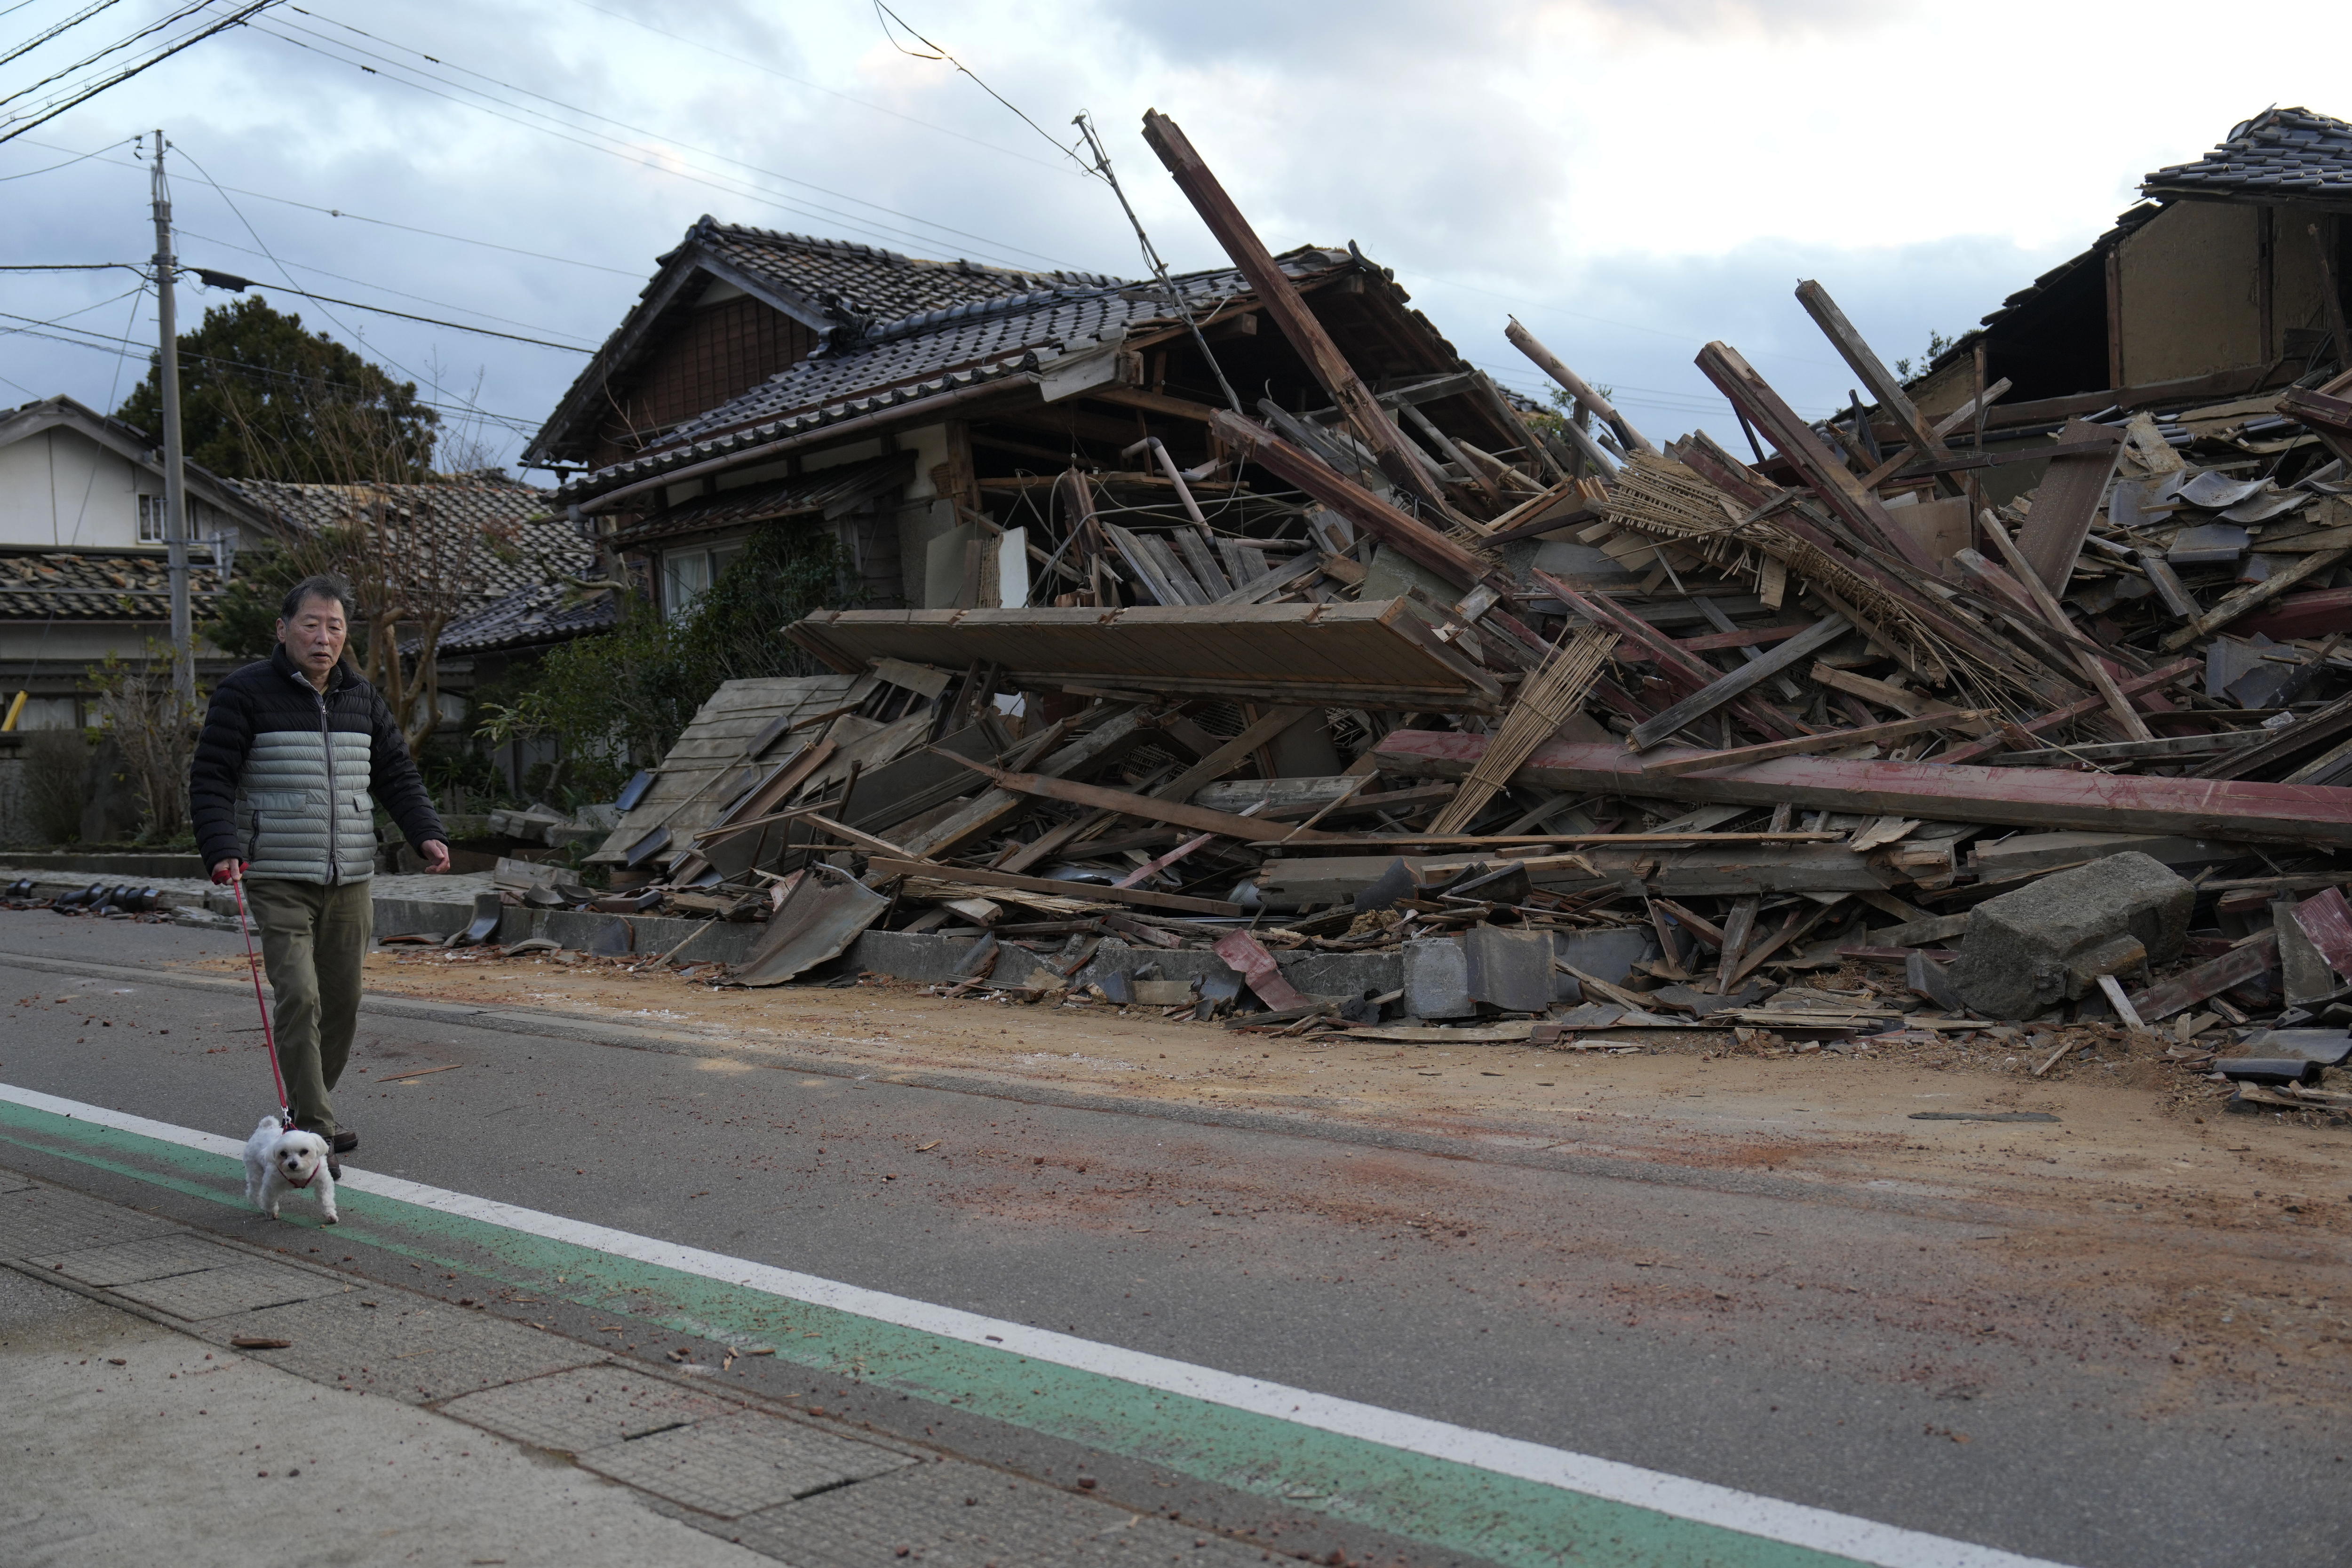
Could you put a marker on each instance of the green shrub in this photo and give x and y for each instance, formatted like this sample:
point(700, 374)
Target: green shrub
point(620, 702)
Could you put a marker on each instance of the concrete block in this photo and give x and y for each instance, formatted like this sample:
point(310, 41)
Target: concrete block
point(919, 957)
point(2048, 942)
point(405, 917)
point(1343, 973)
point(1316, 974)
point(1608, 955)
point(1508, 968)
point(1437, 979)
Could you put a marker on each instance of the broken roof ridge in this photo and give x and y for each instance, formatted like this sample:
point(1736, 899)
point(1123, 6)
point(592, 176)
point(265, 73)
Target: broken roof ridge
point(708, 226)
point(1014, 304)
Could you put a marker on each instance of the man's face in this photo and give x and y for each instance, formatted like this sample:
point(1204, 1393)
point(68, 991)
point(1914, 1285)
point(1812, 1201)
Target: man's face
point(313, 640)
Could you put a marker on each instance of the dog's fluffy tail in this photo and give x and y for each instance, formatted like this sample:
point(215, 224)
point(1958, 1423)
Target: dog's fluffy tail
point(268, 1123)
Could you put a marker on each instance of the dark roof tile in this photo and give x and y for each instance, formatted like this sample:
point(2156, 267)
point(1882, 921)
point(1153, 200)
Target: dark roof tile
point(94, 585)
point(937, 351)
point(531, 540)
point(530, 617)
point(2278, 148)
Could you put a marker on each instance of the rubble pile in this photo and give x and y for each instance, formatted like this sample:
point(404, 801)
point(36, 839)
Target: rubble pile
point(1358, 726)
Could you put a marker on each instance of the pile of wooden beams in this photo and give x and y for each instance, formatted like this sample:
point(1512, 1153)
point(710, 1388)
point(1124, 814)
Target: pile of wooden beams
point(1768, 714)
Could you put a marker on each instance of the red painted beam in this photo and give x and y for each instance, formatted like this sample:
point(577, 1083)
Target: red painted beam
point(1944, 792)
point(2312, 614)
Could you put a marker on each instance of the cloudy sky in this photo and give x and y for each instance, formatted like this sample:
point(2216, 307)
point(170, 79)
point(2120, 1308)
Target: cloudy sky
point(1629, 179)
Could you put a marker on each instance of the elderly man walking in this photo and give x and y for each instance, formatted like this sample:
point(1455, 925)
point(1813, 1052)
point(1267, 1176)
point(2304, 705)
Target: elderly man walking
point(297, 750)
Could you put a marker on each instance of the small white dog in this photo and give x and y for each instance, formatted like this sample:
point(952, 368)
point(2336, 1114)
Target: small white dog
point(277, 1158)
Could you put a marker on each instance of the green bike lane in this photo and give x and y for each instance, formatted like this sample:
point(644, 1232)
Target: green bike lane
point(1457, 1489)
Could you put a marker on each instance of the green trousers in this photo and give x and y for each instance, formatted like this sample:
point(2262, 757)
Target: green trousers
point(314, 940)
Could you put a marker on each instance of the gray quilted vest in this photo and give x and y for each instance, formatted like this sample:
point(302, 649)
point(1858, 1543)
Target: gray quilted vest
point(303, 812)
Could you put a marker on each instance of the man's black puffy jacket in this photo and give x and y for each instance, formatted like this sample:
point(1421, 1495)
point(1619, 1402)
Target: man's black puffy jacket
point(286, 777)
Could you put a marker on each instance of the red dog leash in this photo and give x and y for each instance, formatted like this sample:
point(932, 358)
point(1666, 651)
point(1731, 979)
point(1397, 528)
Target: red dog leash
point(253, 966)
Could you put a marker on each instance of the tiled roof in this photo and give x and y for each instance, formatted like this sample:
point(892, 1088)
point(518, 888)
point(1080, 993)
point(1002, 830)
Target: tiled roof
point(935, 352)
point(530, 541)
point(2279, 154)
point(94, 585)
point(832, 285)
point(528, 617)
point(793, 497)
point(861, 280)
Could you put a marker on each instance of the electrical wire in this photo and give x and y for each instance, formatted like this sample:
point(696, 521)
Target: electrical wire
point(37, 39)
point(82, 93)
point(406, 316)
point(448, 64)
point(135, 348)
point(113, 386)
point(181, 14)
point(340, 212)
point(737, 59)
point(365, 283)
point(580, 136)
point(882, 10)
point(348, 331)
point(53, 168)
point(83, 310)
point(76, 20)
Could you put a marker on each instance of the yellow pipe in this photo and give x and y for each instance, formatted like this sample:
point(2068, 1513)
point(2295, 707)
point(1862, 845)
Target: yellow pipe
point(16, 712)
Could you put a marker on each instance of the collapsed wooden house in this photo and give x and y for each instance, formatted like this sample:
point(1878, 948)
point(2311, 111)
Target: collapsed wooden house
point(1145, 675)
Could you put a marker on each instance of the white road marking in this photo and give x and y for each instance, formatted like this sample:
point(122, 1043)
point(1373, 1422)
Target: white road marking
point(1702, 1502)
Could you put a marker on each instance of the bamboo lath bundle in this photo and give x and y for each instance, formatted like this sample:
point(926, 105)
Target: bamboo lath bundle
point(1664, 500)
point(1555, 691)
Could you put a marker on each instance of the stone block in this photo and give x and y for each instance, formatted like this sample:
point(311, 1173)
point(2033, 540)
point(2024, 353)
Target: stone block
point(2046, 943)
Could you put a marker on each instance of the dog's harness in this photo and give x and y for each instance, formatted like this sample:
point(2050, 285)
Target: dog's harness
point(269, 1036)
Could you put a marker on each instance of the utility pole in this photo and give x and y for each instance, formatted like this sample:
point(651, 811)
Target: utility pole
point(175, 489)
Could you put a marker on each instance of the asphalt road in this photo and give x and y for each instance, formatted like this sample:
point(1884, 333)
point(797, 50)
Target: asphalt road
point(1834, 1353)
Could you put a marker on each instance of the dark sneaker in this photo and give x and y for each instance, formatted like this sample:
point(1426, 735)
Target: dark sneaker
point(334, 1168)
point(344, 1143)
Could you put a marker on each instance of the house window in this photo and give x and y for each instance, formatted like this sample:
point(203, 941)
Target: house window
point(687, 575)
point(151, 513)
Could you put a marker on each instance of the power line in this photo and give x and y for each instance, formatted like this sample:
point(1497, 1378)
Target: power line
point(579, 136)
point(236, 285)
point(206, 175)
point(881, 11)
point(37, 39)
point(340, 212)
point(365, 283)
point(83, 310)
point(135, 348)
point(814, 87)
point(82, 93)
point(89, 60)
point(448, 64)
